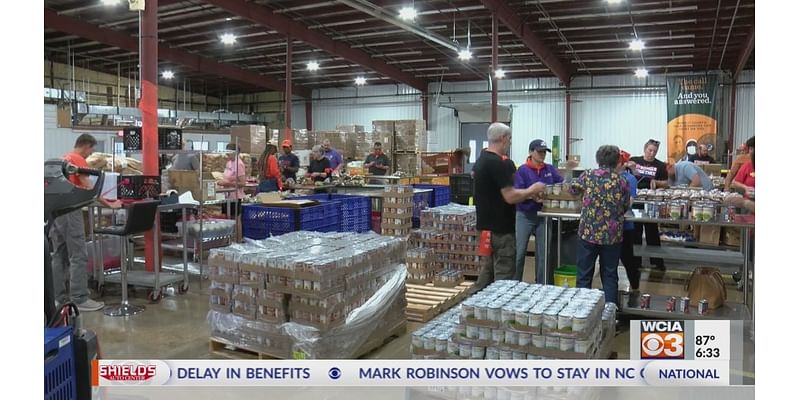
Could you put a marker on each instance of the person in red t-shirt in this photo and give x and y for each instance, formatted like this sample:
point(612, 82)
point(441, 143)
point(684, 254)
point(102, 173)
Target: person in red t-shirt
point(69, 239)
point(745, 179)
point(269, 172)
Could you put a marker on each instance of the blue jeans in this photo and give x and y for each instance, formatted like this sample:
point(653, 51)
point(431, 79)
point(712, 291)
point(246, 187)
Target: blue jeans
point(267, 185)
point(609, 260)
point(527, 224)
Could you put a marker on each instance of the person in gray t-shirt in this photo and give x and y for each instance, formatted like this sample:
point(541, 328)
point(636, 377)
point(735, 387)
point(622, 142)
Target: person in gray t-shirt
point(689, 173)
point(186, 161)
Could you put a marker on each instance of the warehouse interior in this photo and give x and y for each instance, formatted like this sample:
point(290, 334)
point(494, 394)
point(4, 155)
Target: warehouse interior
point(578, 74)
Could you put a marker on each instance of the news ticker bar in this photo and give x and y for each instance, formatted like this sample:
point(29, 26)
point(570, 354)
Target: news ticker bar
point(411, 373)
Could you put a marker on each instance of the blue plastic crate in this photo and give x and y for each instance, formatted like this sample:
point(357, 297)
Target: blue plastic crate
point(441, 194)
point(421, 202)
point(354, 212)
point(260, 222)
point(59, 365)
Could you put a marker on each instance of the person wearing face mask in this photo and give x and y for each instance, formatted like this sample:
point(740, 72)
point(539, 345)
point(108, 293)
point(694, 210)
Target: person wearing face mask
point(377, 162)
point(495, 197)
point(527, 222)
point(651, 173)
point(702, 156)
point(691, 151)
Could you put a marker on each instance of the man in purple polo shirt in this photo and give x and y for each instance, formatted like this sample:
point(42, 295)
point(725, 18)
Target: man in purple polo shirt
point(534, 170)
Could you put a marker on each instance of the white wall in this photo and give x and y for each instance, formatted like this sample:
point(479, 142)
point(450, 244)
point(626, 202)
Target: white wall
point(327, 114)
point(59, 141)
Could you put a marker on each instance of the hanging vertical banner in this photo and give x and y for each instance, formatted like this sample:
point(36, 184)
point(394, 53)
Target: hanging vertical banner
point(691, 114)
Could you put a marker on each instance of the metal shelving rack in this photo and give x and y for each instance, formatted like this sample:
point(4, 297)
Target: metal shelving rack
point(711, 255)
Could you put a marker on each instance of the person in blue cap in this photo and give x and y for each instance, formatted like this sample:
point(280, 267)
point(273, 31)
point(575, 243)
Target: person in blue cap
point(527, 221)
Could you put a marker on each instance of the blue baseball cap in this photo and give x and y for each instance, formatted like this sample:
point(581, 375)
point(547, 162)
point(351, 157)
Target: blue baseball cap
point(538, 145)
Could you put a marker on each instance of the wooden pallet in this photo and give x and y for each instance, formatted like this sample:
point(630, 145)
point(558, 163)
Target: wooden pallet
point(223, 348)
point(426, 301)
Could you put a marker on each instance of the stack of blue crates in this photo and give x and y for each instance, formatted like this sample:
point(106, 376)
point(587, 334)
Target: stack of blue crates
point(441, 194)
point(59, 365)
point(260, 222)
point(355, 211)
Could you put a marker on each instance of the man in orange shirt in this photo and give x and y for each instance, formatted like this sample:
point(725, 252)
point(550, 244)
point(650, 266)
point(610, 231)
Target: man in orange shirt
point(69, 240)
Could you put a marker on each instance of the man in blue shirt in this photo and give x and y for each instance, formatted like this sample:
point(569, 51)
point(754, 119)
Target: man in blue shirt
point(527, 221)
point(633, 265)
point(333, 156)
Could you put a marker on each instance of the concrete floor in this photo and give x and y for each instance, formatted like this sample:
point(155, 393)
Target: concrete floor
point(176, 327)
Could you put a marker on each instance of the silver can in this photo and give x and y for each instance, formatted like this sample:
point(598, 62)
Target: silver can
point(485, 333)
point(552, 342)
point(566, 344)
point(494, 312)
point(582, 346)
point(507, 314)
point(564, 204)
point(429, 342)
point(441, 343)
point(521, 316)
point(452, 347)
point(702, 307)
point(550, 319)
point(460, 330)
point(478, 352)
point(535, 319)
point(518, 355)
point(416, 339)
point(467, 311)
point(492, 353)
point(498, 335)
point(524, 339)
point(506, 355)
point(565, 321)
point(511, 337)
point(538, 341)
point(472, 332)
point(481, 311)
point(464, 350)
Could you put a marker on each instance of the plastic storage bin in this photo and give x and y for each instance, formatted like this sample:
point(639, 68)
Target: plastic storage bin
point(260, 222)
point(137, 187)
point(355, 211)
point(440, 196)
point(59, 364)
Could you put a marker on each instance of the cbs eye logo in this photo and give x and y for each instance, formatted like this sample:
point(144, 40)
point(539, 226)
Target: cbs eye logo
point(661, 339)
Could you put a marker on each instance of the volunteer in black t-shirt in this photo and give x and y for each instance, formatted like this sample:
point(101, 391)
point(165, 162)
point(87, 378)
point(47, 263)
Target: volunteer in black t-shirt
point(651, 174)
point(495, 197)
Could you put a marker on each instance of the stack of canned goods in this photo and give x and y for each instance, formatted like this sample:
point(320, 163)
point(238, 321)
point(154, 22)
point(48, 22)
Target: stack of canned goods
point(448, 278)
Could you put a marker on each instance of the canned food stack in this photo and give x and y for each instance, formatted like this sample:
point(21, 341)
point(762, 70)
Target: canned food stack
point(433, 339)
point(398, 210)
point(451, 232)
point(557, 198)
point(420, 264)
point(515, 320)
point(448, 278)
point(313, 281)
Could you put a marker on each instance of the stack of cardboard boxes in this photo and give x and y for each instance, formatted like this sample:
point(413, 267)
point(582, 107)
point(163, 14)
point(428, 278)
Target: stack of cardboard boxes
point(403, 141)
point(289, 296)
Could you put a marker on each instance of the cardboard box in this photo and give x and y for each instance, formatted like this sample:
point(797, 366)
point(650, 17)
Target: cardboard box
point(189, 181)
point(709, 234)
point(712, 169)
point(251, 138)
point(410, 135)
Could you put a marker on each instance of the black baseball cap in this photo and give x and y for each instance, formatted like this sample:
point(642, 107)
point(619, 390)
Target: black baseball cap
point(538, 145)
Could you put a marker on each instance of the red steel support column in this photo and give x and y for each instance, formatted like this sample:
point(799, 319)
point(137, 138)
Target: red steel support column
point(732, 126)
point(494, 66)
point(288, 91)
point(309, 116)
point(148, 105)
point(567, 143)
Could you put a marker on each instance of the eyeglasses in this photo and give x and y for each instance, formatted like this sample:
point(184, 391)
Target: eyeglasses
point(653, 141)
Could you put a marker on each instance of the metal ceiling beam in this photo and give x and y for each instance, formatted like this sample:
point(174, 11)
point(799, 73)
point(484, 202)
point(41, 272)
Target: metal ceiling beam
point(264, 16)
point(531, 39)
point(130, 43)
point(744, 55)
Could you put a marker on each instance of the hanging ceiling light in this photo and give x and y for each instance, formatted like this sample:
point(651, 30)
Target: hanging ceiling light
point(641, 73)
point(408, 13)
point(361, 80)
point(167, 74)
point(464, 54)
point(499, 74)
point(636, 45)
point(228, 38)
point(614, 1)
point(312, 66)
point(111, 2)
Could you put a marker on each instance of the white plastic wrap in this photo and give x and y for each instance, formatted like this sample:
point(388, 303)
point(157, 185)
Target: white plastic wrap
point(381, 313)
